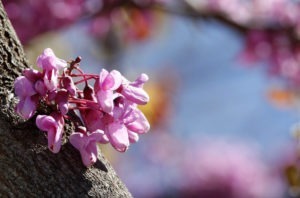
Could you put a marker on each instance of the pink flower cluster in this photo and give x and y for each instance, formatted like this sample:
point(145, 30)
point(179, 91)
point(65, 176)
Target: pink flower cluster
point(108, 109)
point(277, 49)
point(45, 15)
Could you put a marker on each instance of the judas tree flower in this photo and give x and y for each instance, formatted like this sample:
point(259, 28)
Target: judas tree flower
point(24, 89)
point(32, 74)
point(48, 61)
point(107, 84)
point(86, 143)
point(118, 136)
point(136, 122)
point(69, 85)
point(50, 79)
point(54, 125)
point(40, 87)
point(27, 106)
point(92, 117)
point(61, 99)
point(108, 110)
point(133, 137)
point(50, 65)
point(127, 123)
point(134, 91)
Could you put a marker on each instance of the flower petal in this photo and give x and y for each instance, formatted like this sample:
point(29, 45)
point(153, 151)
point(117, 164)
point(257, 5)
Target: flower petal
point(44, 122)
point(54, 143)
point(105, 99)
point(32, 74)
point(51, 79)
point(89, 154)
point(140, 125)
point(133, 137)
point(135, 94)
point(26, 107)
point(102, 77)
point(77, 140)
point(40, 87)
point(117, 78)
point(110, 81)
point(87, 145)
point(96, 135)
point(69, 85)
point(140, 81)
point(48, 61)
point(88, 92)
point(61, 99)
point(53, 124)
point(118, 136)
point(23, 87)
point(92, 119)
point(63, 108)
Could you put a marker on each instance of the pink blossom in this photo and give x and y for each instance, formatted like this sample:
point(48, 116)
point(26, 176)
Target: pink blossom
point(127, 123)
point(40, 87)
point(50, 65)
point(134, 91)
point(102, 108)
point(137, 122)
point(48, 61)
point(61, 99)
point(32, 74)
point(86, 143)
point(54, 125)
point(92, 117)
point(24, 89)
point(133, 137)
point(257, 46)
point(50, 79)
point(107, 84)
point(27, 106)
point(69, 85)
point(118, 136)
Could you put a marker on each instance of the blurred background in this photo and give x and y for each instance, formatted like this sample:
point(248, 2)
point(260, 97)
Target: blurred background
point(224, 87)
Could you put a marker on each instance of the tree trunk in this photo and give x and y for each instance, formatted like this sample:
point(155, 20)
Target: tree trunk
point(27, 167)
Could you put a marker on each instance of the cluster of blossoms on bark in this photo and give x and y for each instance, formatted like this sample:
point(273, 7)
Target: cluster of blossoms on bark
point(108, 110)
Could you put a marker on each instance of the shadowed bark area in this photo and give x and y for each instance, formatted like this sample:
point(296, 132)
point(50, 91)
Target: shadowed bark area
point(27, 167)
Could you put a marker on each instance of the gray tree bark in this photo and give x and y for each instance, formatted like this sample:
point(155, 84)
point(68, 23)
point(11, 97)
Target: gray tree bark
point(27, 167)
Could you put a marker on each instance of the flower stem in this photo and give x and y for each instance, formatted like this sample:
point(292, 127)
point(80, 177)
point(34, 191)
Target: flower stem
point(83, 80)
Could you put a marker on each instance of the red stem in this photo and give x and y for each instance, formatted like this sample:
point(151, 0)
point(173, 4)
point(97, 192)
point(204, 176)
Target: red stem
point(83, 75)
point(83, 80)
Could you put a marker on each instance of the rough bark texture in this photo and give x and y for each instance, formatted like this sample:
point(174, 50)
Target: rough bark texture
point(27, 167)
